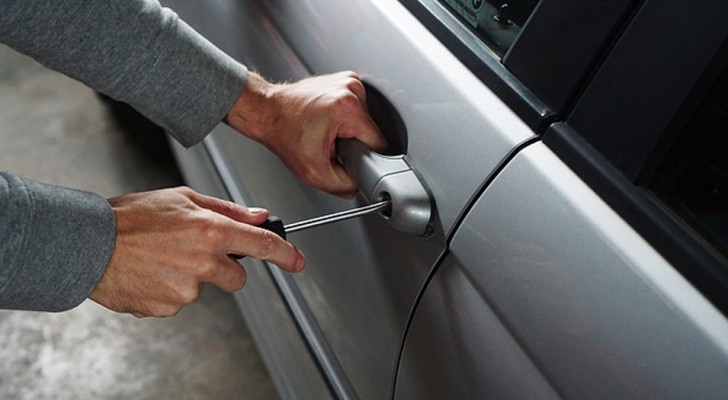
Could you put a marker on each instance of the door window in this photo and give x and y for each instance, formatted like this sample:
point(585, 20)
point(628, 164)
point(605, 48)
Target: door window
point(693, 178)
point(497, 23)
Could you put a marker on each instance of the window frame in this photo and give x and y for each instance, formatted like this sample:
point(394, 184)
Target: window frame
point(521, 78)
point(479, 59)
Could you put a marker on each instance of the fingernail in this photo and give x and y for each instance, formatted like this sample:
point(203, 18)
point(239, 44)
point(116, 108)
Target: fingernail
point(256, 210)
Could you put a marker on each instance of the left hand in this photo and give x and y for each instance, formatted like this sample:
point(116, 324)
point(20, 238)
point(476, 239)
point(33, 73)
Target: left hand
point(300, 122)
point(169, 242)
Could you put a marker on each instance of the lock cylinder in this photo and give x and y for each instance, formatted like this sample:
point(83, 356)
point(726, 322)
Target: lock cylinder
point(380, 177)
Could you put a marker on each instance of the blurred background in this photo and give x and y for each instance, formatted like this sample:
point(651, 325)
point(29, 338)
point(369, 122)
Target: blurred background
point(56, 130)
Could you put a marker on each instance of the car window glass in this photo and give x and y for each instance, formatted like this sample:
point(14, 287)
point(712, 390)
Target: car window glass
point(693, 178)
point(497, 23)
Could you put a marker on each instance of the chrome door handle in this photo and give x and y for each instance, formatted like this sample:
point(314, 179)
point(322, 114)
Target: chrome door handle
point(382, 177)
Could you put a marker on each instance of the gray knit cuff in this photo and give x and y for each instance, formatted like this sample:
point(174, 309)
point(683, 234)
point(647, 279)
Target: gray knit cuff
point(56, 243)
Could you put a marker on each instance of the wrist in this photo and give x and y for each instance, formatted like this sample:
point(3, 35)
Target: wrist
point(256, 110)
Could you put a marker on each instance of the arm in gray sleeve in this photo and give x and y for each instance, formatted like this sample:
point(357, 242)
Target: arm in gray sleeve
point(134, 51)
point(54, 244)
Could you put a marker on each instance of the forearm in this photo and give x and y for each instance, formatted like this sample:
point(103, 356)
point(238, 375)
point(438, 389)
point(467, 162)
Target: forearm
point(136, 52)
point(55, 244)
point(257, 108)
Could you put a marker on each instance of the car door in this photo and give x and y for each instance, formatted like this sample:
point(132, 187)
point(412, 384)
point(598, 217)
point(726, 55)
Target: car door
point(352, 303)
point(594, 264)
point(462, 87)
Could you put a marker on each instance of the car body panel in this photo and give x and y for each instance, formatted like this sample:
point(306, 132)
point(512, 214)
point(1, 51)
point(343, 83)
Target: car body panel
point(352, 283)
point(358, 290)
point(445, 107)
point(454, 326)
point(295, 371)
point(530, 285)
point(596, 310)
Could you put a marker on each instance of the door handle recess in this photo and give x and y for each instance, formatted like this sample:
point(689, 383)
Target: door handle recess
point(382, 177)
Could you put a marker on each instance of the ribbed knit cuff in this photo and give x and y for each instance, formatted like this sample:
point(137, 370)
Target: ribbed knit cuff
point(56, 243)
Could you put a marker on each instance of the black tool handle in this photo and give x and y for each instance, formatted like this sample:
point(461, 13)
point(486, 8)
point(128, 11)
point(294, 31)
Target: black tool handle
point(273, 224)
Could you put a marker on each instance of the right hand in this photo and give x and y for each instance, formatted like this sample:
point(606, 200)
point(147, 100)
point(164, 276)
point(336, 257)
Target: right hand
point(301, 121)
point(169, 242)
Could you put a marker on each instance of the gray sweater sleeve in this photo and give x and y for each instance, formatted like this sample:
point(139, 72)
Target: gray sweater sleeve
point(55, 242)
point(135, 51)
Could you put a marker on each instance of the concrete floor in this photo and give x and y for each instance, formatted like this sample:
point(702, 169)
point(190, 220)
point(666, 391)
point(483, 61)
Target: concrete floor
point(56, 130)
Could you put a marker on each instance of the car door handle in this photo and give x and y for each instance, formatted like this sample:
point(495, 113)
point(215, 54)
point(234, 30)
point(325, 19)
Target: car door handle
point(383, 177)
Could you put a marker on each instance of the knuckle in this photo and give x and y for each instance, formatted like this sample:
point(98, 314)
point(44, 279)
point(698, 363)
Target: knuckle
point(168, 310)
point(355, 84)
point(184, 190)
point(230, 208)
point(181, 297)
point(207, 271)
point(226, 206)
point(266, 244)
point(347, 100)
point(188, 295)
point(209, 231)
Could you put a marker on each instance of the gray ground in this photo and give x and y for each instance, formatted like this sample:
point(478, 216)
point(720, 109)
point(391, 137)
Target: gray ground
point(56, 130)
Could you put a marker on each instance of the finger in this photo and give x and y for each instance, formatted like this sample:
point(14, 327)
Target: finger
point(229, 276)
point(341, 184)
point(254, 216)
point(365, 130)
point(357, 87)
point(331, 177)
point(265, 245)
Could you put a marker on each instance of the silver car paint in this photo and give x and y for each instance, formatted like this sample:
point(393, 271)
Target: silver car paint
point(293, 370)
point(598, 312)
point(362, 277)
point(458, 130)
point(565, 298)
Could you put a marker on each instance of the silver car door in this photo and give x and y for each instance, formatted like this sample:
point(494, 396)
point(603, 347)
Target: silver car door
point(352, 302)
point(594, 265)
point(549, 293)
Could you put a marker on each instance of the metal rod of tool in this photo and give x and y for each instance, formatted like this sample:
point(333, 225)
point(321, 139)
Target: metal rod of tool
point(274, 224)
point(335, 217)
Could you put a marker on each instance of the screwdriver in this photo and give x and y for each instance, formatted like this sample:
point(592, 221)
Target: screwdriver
point(275, 225)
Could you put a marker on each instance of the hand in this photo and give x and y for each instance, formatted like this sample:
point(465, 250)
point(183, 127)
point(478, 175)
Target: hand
point(301, 121)
point(169, 242)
